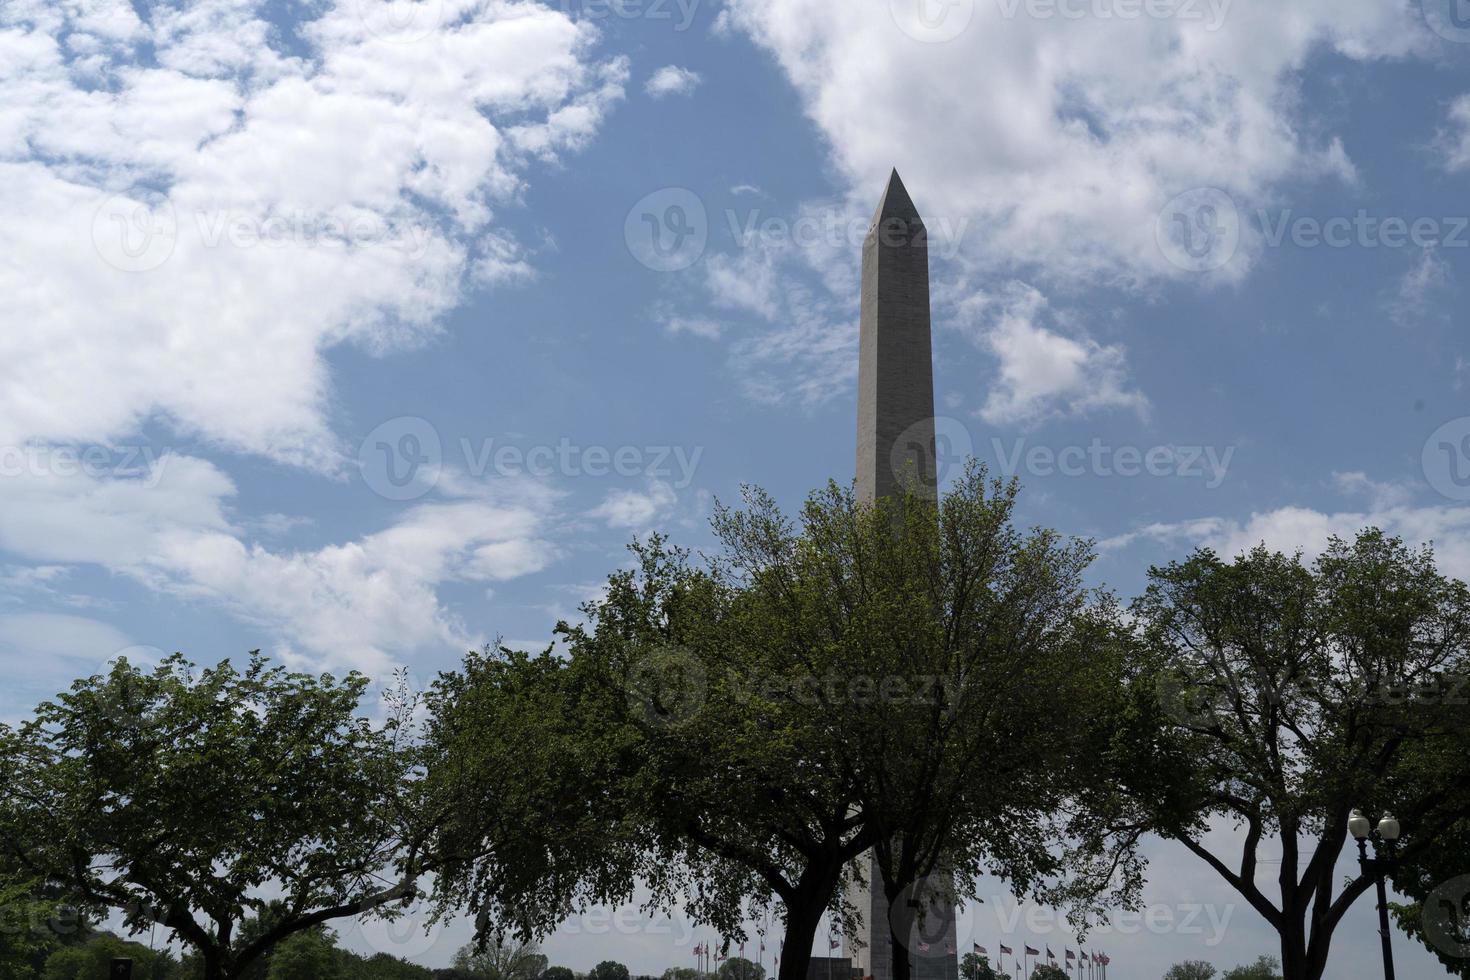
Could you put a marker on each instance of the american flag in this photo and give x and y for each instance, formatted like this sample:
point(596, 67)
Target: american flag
point(1032, 952)
point(1069, 953)
point(980, 949)
point(1006, 949)
point(1049, 954)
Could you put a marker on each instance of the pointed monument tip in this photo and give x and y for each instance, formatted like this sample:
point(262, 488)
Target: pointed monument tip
point(896, 202)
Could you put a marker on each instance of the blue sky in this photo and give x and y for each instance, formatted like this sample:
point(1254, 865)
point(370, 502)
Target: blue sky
point(1197, 279)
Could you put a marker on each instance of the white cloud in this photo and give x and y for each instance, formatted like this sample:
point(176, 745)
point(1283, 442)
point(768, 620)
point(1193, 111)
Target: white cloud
point(1063, 137)
point(1042, 372)
point(637, 510)
point(672, 80)
point(1453, 140)
point(1427, 276)
point(361, 603)
point(1289, 529)
point(36, 638)
point(272, 204)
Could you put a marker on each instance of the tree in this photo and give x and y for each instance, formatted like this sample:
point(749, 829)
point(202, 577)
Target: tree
point(307, 955)
point(736, 731)
point(35, 921)
point(1264, 968)
point(993, 664)
point(1289, 694)
point(1439, 882)
point(673, 973)
point(174, 797)
point(975, 966)
point(740, 968)
point(1191, 970)
point(91, 960)
point(565, 973)
point(608, 970)
point(501, 959)
point(1049, 971)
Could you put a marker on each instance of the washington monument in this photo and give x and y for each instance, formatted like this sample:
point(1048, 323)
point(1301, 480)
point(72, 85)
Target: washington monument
point(895, 443)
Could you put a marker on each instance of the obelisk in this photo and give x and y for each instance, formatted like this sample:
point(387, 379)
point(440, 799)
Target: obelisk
point(895, 446)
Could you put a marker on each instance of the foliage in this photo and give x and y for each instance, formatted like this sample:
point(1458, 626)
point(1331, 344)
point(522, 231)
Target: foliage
point(92, 960)
point(975, 966)
point(34, 922)
point(914, 679)
point(1439, 882)
point(1284, 696)
point(133, 790)
point(608, 970)
point(1191, 970)
point(565, 973)
point(501, 959)
point(1049, 971)
point(308, 955)
point(1264, 968)
point(740, 968)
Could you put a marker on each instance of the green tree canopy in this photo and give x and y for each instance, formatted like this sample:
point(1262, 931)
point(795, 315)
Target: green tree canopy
point(1438, 879)
point(1048, 971)
point(740, 968)
point(92, 960)
point(501, 959)
point(177, 796)
point(735, 731)
point(608, 970)
point(1264, 968)
point(1289, 694)
point(1191, 970)
point(975, 966)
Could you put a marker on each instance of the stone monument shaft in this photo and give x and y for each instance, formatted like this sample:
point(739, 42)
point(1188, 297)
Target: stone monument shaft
point(895, 445)
point(895, 362)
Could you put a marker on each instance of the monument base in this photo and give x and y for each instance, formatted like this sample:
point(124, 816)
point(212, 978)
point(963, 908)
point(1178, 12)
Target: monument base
point(932, 946)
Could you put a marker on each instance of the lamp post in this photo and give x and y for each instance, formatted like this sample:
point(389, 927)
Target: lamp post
point(1382, 864)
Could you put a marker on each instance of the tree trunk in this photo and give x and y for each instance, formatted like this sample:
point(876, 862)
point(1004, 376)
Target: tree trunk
point(1295, 964)
point(803, 916)
point(901, 915)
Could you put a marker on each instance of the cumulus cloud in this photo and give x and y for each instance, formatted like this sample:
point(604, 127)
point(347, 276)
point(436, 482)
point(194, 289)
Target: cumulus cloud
point(1305, 529)
point(671, 80)
point(1043, 372)
point(197, 211)
point(637, 509)
point(1064, 137)
point(362, 603)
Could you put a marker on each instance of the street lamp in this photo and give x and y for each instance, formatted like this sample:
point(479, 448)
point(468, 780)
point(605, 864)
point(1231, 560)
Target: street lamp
point(1382, 864)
